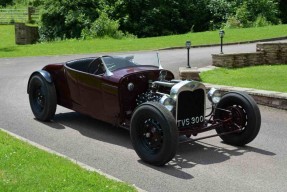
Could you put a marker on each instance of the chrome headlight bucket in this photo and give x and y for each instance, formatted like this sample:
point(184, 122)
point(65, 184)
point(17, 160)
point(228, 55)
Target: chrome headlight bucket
point(214, 96)
point(168, 102)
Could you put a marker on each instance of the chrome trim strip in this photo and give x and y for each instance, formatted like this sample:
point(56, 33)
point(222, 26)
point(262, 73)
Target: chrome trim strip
point(186, 86)
point(162, 83)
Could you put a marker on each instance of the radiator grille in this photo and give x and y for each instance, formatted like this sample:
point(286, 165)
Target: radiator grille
point(190, 110)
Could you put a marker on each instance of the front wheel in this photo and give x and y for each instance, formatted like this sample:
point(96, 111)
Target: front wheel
point(42, 97)
point(244, 114)
point(154, 133)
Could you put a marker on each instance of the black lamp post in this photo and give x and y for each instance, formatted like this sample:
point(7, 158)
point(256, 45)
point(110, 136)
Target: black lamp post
point(188, 45)
point(221, 35)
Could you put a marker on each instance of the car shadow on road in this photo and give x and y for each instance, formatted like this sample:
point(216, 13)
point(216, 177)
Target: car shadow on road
point(189, 154)
point(91, 128)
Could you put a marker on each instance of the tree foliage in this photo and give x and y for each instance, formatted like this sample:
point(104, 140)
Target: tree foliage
point(253, 11)
point(161, 17)
point(283, 10)
point(220, 11)
point(144, 18)
point(4, 3)
point(104, 27)
point(66, 18)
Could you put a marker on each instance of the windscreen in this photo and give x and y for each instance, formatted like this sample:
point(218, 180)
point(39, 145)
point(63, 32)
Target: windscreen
point(124, 61)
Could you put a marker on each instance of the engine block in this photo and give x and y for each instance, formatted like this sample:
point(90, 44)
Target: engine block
point(148, 96)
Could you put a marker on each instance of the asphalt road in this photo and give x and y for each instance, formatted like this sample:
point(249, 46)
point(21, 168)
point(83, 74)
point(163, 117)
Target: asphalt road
point(207, 165)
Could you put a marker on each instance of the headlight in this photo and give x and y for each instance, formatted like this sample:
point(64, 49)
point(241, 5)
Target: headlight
point(168, 102)
point(131, 86)
point(214, 95)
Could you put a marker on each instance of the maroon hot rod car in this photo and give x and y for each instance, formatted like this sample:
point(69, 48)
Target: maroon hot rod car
point(145, 99)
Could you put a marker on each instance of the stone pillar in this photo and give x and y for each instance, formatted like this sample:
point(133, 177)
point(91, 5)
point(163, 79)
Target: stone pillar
point(31, 10)
point(271, 51)
point(189, 74)
point(25, 34)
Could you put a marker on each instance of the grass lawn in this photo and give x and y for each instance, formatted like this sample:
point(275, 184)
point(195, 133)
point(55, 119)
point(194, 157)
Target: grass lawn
point(9, 49)
point(26, 168)
point(264, 77)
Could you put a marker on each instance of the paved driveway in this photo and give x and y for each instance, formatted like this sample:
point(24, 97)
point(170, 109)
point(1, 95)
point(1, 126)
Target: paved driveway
point(208, 165)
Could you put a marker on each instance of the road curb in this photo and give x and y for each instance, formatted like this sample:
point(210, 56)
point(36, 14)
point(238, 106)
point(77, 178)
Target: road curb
point(268, 98)
point(234, 43)
point(83, 165)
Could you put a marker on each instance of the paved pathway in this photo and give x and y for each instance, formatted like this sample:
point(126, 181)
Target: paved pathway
point(207, 165)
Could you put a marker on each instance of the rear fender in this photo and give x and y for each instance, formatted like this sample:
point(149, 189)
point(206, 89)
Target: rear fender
point(45, 74)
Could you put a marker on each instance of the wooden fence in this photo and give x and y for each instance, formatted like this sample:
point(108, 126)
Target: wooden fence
point(10, 16)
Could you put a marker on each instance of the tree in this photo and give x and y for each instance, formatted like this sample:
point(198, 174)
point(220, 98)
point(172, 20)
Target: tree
point(161, 17)
point(66, 18)
point(145, 18)
point(4, 3)
point(220, 11)
point(283, 12)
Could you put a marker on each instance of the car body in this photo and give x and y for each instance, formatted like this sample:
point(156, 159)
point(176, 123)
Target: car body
point(132, 93)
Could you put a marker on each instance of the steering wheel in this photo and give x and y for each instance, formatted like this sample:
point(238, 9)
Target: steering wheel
point(100, 69)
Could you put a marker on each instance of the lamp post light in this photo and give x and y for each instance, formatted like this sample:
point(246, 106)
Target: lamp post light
point(221, 35)
point(188, 45)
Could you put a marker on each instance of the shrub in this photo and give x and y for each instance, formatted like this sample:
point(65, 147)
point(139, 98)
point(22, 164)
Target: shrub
point(232, 22)
point(255, 12)
point(103, 27)
point(261, 21)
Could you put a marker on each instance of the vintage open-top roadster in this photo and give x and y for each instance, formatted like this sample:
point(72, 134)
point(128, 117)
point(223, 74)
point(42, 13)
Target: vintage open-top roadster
point(144, 98)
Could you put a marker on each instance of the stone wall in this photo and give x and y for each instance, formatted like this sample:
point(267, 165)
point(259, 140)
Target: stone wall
point(274, 53)
point(25, 34)
point(266, 53)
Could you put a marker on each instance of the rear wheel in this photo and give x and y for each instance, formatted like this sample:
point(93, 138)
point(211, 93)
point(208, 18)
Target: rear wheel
point(245, 116)
point(42, 97)
point(154, 133)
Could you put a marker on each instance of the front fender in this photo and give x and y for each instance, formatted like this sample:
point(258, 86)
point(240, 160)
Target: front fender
point(45, 74)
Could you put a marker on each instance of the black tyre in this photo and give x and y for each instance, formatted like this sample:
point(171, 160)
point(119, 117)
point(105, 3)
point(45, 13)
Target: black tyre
point(245, 114)
point(154, 133)
point(42, 97)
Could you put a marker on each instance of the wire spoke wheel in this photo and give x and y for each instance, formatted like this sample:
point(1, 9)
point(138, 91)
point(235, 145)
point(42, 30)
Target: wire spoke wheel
point(239, 118)
point(245, 117)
